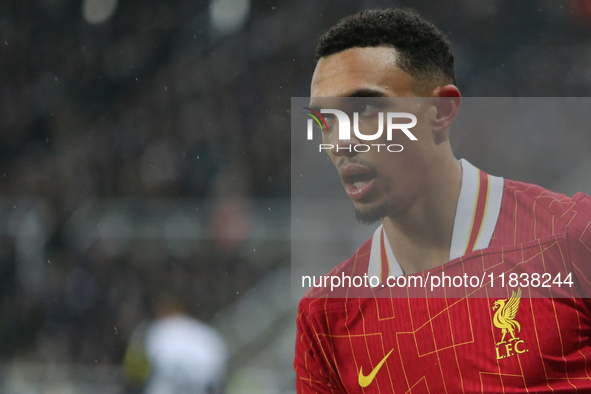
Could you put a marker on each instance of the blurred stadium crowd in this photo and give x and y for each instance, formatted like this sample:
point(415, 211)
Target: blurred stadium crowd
point(159, 102)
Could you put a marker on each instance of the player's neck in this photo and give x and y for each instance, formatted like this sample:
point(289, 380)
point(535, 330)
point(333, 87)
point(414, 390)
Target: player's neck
point(421, 236)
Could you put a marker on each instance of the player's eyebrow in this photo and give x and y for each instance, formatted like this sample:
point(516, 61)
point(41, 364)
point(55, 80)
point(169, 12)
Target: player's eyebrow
point(362, 92)
point(367, 92)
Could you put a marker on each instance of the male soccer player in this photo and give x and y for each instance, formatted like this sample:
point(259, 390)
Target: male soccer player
point(440, 216)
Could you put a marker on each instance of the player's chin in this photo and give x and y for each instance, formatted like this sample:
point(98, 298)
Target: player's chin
point(369, 213)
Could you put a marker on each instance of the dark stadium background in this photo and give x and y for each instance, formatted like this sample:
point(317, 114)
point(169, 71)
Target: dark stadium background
point(150, 151)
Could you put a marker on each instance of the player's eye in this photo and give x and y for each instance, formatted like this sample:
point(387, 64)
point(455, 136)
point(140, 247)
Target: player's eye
point(366, 109)
point(330, 121)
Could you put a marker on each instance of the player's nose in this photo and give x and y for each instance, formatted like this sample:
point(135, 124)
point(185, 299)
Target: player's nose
point(345, 147)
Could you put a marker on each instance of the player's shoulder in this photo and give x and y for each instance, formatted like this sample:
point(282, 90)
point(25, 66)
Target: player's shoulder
point(530, 196)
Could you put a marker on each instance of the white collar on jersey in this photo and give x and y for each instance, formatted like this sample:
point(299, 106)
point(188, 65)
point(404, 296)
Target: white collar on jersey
point(477, 212)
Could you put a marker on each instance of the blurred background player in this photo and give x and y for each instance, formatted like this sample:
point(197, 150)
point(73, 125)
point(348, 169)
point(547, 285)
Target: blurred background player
point(175, 353)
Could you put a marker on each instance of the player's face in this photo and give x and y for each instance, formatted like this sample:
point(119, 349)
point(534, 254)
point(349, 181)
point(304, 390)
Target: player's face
point(379, 183)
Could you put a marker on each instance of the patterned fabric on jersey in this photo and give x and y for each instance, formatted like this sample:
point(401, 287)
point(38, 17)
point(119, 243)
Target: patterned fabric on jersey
point(492, 340)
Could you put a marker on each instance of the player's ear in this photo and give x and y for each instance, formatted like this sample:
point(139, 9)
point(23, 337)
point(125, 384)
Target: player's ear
point(448, 106)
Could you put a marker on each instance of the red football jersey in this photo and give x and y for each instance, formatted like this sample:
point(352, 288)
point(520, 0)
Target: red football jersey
point(494, 338)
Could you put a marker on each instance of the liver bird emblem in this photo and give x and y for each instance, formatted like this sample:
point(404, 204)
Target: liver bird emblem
point(504, 317)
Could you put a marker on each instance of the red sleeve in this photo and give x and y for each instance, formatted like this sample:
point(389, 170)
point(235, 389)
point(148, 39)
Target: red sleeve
point(312, 373)
point(579, 235)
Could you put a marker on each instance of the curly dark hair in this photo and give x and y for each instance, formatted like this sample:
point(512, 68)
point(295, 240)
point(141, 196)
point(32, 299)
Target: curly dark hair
point(423, 51)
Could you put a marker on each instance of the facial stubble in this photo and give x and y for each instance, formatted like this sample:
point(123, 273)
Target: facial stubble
point(369, 215)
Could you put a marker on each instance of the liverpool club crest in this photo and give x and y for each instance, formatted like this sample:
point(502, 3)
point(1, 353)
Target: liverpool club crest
point(504, 319)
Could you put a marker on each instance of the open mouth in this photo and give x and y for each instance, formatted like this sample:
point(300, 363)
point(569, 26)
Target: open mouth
point(358, 180)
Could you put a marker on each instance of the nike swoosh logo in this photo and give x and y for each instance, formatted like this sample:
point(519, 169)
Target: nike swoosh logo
point(365, 381)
